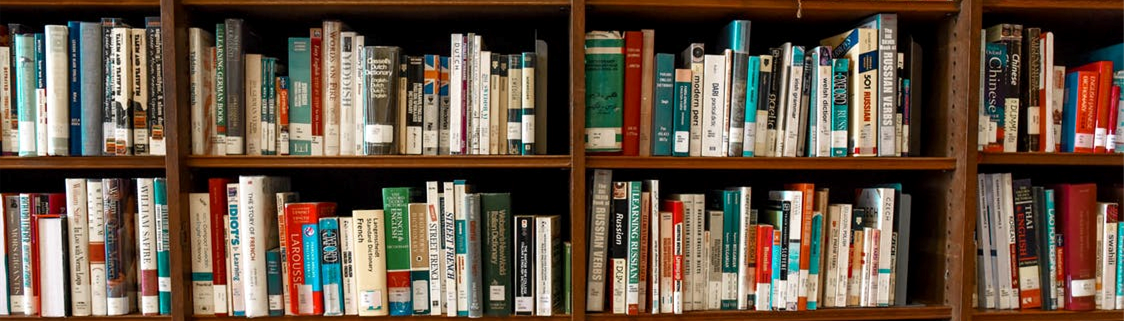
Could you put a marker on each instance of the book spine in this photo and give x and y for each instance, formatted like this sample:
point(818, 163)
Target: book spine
point(114, 191)
point(456, 94)
point(788, 135)
point(330, 86)
point(198, 77)
point(138, 114)
point(1027, 252)
point(472, 256)
point(251, 235)
point(299, 97)
point(497, 248)
point(96, 250)
point(433, 233)
point(666, 259)
point(815, 262)
point(349, 80)
point(766, 106)
point(752, 97)
point(548, 267)
point(677, 259)
point(235, 64)
point(729, 254)
point(382, 92)
point(633, 46)
point(283, 199)
point(108, 146)
point(202, 273)
point(618, 248)
point(221, 90)
point(1108, 254)
point(524, 229)
point(527, 128)
point(994, 91)
point(449, 236)
point(234, 252)
point(25, 94)
point(8, 135)
point(663, 105)
point(444, 109)
point(52, 236)
point(146, 235)
point(764, 268)
point(370, 249)
point(430, 115)
point(821, 112)
point(650, 256)
point(515, 104)
point(347, 262)
point(1079, 121)
point(887, 24)
point(218, 211)
point(737, 97)
point(156, 112)
point(27, 277)
point(414, 74)
point(839, 107)
point(121, 85)
point(1029, 121)
point(693, 58)
point(682, 113)
point(494, 99)
point(57, 102)
point(78, 242)
point(395, 203)
point(419, 254)
point(254, 93)
point(273, 275)
point(712, 111)
point(330, 272)
point(698, 271)
point(600, 207)
point(316, 89)
point(604, 91)
point(74, 86)
point(632, 289)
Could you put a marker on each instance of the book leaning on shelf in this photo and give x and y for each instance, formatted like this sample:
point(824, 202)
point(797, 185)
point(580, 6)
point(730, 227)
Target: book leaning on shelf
point(337, 95)
point(100, 248)
point(789, 101)
point(443, 250)
point(1029, 102)
point(652, 253)
point(82, 89)
point(1052, 247)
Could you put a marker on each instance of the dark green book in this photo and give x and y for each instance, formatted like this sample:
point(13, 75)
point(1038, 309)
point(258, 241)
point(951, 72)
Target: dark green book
point(395, 204)
point(567, 278)
point(681, 117)
point(497, 248)
point(604, 90)
point(662, 119)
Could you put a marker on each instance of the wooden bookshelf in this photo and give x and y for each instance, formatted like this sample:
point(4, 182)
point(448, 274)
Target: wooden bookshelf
point(395, 161)
point(1039, 315)
point(826, 314)
point(82, 163)
point(90, 318)
point(786, 163)
point(412, 318)
point(1052, 159)
point(1040, 5)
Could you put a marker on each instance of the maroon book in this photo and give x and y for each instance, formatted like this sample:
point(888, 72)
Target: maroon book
point(1076, 212)
point(633, 46)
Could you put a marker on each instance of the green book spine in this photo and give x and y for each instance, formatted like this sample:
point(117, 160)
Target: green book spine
point(662, 118)
point(497, 248)
point(814, 262)
point(681, 116)
point(567, 279)
point(731, 203)
point(395, 202)
point(300, 103)
point(604, 89)
point(752, 92)
point(839, 107)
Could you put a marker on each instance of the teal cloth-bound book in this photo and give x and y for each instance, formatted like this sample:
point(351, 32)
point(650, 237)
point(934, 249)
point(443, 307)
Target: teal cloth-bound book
point(731, 203)
point(814, 263)
point(662, 119)
point(752, 94)
point(25, 93)
point(330, 273)
point(735, 36)
point(681, 115)
point(300, 105)
point(273, 282)
point(839, 107)
point(604, 91)
point(163, 245)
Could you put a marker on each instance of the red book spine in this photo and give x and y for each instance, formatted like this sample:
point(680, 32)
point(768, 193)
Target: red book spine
point(807, 199)
point(216, 188)
point(1113, 117)
point(1086, 119)
point(1077, 212)
point(1101, 109)
point(676, 209)
point(303, 300)
point(316, 42)
point(633, 46)
point(764, 257)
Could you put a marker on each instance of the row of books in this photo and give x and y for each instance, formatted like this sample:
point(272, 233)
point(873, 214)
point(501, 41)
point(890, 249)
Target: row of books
point(1031, 103)
point(341, 96)
point(1050, 247)
point(257, 250)
point(82, 89)
point(653, 253)
point(100, 248)
point(853, 95)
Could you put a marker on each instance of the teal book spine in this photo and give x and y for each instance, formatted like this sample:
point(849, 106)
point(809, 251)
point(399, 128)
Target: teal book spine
point(300, 103)
point(731, 203)
point(662, 114)
point(273, 282)
point(752, 94)
point(839, 107)
point(396, 209)
point(775, 302)
point(330, 272)
point(1052, 246)
point(814, 262)
point(604, 91)
point(163, 245)
point(735, 36)
point(681, 115)
point(25, 93)
point(527, 119)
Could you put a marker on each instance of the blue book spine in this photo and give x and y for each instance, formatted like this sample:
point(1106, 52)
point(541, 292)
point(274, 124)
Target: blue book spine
point(736, 36)
point(163, 245)
point(91, 89)
point(40, 99)
point(74, 28)
point(1051, 246)
point(1069, 110)
point(994, 93)
point(25, 93)
point(273, 282)
point(839, 107)
point(332, 275)
point(752, 94)
point(300, 103)
point(681, 118)
point(816, 250)
point(662, 119)
point(1113, 53)
point(1118, 80)
point(812, 69)
point(774, 302)
point(310, 240)
point(731, 203)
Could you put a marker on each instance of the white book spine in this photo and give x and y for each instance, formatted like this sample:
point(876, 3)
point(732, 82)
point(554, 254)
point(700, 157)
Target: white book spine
point(235, 261)
point(667, 253)
point(462, 259)
point(252, 245)
point(484, 132)
point(122, 83)
point(9, 139)
point(745, 232)
point(436, 246)
point(474, 97)
point(139, 73)
point(456, 95)
point(547, 248)
point(885, 223)
point(348, 89)
point(1002, 228)
point(796, 276)
point(370, 250)
point(655, 257)
point(712, 102)
point(699, 268)
point(347, 248)
point(201, 264)
point(52, 281)
point(58, 121)
point(96, 221)
point(195, 51)
point(146, 240)
point(29, 303)
point(494, 98)
point(76, 213)
point(253, 104)
point(359, 95)
point(1046, 86)
point(330, 59)
point(1106, 237)
point(527, 97)
point(448, 232)
point(823, 109)
point(792, 110)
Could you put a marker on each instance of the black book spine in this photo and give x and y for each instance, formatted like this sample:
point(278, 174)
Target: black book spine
point(524, 265)
point(415, 105)
point(737, 104)
point(1026, 243)
point(1029, 105)
point(1041, 245)
point(773, 97)
point(235, 86)
point(618, 246)
point(805, 92)
point(381, 79)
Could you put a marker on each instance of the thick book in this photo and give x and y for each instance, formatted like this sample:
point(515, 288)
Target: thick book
point(331, 275)
point(497, 248)
point(1103, 102)
point(370, 264)
point(618, 248)
point(200, 82)
point(886, 88)
point(1009, 36)
point(548, 265)
point(524, 268)
point(53, 251)
point(677, 258)
point(396, 208)
point(257, 203)
point(604, 83)
point(713, 105)
point(1079, 113)
point(78, 245)
point(202, 272)
point(1025, 246)
point(736, 104)
point(380, 78)
point(216, 187)
point(330, 86)
point(419, 258)
point(1076, 212)
point(883, 202)
point(236, 261)
point(347, 264)
point(300, 104)
point(238, 43)
point(854, 45)
point(115, 194)
point(449, 236)
point(302, 243)
point(806, 203)
point(600, 201)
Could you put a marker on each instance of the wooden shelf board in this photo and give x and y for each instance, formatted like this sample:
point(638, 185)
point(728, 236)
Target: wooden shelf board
point(411, 318)
point(1039, 315)
point(394, 161)
point(1051, 159)
point(80, 3)
point(785, 9)
point(377, 3)
point(116, 317)
point(1041, 5)
point(82, 163)
point(895, 313)
point(810, 163)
